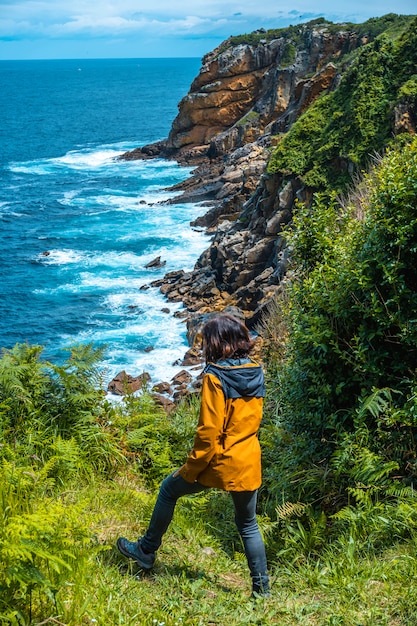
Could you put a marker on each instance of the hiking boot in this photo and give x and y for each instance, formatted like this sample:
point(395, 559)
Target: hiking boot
point(260, 595)
point(260, 589)
point(133, 550)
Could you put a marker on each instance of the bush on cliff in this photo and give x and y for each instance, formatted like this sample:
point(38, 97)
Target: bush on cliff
point(295, 35)
point(347, 418)
point(61, 442)
point(337, 134)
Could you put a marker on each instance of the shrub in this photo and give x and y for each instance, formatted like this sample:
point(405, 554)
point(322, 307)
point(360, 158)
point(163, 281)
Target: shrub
point(340, 130)
point(352, 313)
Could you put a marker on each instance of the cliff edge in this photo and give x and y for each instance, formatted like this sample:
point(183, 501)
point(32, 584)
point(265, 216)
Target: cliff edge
point(251, 94)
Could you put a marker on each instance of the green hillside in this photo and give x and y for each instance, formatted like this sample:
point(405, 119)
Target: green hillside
point(391, 24)
point(336, 137)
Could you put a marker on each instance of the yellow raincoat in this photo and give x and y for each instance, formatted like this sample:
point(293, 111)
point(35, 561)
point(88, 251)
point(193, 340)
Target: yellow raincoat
point(226, 452)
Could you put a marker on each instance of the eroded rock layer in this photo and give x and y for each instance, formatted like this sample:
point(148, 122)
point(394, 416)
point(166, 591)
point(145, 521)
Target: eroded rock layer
point(244, 99)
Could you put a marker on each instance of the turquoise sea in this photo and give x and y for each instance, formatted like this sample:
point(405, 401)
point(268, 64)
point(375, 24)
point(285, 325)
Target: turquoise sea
point(78, 226)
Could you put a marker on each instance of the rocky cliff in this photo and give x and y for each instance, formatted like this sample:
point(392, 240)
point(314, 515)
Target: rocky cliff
point(248, 95)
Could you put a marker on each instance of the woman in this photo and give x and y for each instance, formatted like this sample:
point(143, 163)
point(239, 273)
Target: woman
point(226, 452)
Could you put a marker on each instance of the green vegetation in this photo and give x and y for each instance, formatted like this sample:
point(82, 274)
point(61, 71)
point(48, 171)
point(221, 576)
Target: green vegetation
point(289, 55)
point(390, 24)
point(337, 134)
point(338, 508)
point(252, 116)
point(295, 35)
point(348, 382)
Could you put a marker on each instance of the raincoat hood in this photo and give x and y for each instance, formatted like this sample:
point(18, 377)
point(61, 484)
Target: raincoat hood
point(240, 378)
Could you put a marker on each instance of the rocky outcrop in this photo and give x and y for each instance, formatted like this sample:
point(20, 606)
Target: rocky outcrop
point(124, 383)
point(244, 92)
point(243, 98)
point(247, 259)
point(246, 96)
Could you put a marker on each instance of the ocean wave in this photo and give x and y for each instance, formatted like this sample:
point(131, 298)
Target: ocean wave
point(84, 159)
point(126, 347)
point(99, 282)
point(102, 158)
point(110, 282)
point(59, 257)
point(132, 302)
point(110, 260)
point(115, 201)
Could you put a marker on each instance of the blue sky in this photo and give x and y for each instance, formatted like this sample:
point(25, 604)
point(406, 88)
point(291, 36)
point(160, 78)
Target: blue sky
point(54, 29)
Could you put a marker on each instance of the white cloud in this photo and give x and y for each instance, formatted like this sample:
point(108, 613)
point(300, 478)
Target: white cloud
point(54, 20)
point(110, 25)
point(116, 25)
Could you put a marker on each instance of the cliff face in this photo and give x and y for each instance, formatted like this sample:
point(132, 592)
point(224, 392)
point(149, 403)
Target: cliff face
point(248, 91)
point(244, 96)
point(244, 100)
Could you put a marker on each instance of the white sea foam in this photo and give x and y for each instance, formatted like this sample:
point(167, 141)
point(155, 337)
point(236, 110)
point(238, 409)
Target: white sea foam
point(111, 202)
point(70, 195)
point(124, 317)
point(5, 211)
point(86, 159)
point(89, 159)
point(30, 167)
point(161, 364)
point(94, 259)
point(102, 282)
point(167, 343)
point(183, 255)
point(88, 282)
point(99, 158)
point(60, 257)
point(149, 301)
point(116, 271)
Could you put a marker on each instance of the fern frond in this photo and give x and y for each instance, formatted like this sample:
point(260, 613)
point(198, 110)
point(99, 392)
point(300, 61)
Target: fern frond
point(139, 436)
point(290, 509)
point(376, 403)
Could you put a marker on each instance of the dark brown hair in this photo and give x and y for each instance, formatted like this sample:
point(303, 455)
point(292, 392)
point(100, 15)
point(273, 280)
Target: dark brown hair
point(225, 337)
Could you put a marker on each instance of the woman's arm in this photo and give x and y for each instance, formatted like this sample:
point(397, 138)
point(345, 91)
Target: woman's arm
point(209, 429)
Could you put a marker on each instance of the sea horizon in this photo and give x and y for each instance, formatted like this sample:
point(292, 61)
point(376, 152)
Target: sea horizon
point(164, 58)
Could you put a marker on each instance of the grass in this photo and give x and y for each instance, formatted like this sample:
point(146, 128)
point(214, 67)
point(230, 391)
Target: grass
point(61, 518)
point(201, 578)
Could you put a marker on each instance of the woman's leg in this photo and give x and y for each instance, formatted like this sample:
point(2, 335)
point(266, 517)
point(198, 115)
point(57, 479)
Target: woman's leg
point(171, 489)
point(245, 518)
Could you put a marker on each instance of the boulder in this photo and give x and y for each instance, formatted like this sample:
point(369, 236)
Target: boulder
point(124, 383)
point(193, 356)
point(155, 263)
point(182, 377)
point(162, 387)
point(164, 402)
